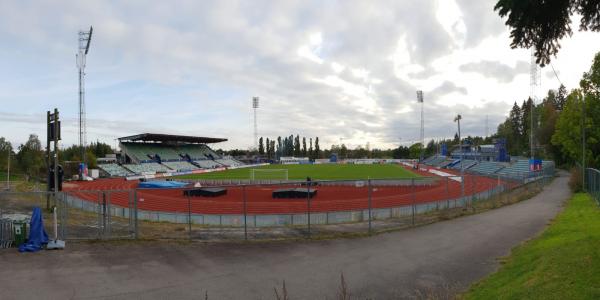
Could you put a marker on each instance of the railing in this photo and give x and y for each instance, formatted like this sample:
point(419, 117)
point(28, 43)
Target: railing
point(592, 183)
point(252, 211)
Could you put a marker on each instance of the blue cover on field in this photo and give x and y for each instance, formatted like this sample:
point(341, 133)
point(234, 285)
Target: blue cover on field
point(161, 184)
point(37, 234)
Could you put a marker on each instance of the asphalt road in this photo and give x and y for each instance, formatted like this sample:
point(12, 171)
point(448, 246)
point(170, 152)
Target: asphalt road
point(430, 261)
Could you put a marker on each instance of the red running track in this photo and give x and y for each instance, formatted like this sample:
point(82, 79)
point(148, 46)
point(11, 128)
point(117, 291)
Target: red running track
point(259, 198)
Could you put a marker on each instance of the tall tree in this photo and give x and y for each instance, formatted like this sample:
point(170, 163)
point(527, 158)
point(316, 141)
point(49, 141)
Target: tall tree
point(261, 146)
point(304, 146)
point(30, 157)
point(317, 148)
point(5, 149)
point(297, 146)
point(310, 150)
point(542, 24)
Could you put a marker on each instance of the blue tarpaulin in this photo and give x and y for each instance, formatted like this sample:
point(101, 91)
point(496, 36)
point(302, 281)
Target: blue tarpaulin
point(37, 234)
point(161, 184)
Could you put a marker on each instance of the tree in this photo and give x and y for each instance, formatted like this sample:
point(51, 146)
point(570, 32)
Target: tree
point(304, 146)
point(5, 148)
point(415, 150)
point(279, 147)
point(310, 150)
point(568, 134)
point(542, 24)
point(261, 146)
point(297, 151)
point(343, 151)
point(317, 149)
point(30, 157)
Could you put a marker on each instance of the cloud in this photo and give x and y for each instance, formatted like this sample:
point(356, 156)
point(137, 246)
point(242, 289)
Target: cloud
point(346, 69)
point(496, 69)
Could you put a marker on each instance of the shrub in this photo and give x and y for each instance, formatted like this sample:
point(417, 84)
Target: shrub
point(576, 180)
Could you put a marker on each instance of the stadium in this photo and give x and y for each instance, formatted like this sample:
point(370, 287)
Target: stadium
point(182, 180)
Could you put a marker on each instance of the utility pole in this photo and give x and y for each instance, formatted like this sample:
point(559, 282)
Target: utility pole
point(8, 170)
point(583, 141)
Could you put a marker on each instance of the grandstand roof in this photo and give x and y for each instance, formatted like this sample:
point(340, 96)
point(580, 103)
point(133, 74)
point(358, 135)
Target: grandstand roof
point(157, 137)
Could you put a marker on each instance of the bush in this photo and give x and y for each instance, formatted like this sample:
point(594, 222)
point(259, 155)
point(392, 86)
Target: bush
point(576, 180)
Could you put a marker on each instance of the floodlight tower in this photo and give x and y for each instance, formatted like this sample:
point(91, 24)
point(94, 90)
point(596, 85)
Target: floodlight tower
point(422, 136)
point(85, 37)
point(534, 83)
point(462, 169)
point(255, 107)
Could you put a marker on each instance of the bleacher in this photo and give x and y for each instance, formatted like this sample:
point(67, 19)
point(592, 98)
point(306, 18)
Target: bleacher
point(208, 164)
point(198, 152)
point(487, 167)
point(114, 169)
point(434, 160)
point(144, 152)
point(180, 165)
point(518, 170)
point(145, 168)
point(465, 164)
point(229, 162)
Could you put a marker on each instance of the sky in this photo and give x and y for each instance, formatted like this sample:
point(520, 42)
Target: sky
point(345, 71)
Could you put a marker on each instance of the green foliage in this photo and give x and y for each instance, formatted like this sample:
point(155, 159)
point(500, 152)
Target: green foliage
point(30, 157)
point(5, 148)
point(582, 108)
point(563, 263)
point(542, 24)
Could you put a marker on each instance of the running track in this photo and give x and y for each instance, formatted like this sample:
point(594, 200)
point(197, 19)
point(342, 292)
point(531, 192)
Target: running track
point(259, 198)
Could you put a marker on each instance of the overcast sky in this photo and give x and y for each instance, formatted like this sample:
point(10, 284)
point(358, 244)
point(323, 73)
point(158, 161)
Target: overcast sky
point(341, 70)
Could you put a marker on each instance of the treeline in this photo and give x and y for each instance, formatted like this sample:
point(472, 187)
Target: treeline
point(29, 159)
point(560, 122)
point(289, 146)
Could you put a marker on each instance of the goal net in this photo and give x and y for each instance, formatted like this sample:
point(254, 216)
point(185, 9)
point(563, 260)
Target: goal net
point(274, 174)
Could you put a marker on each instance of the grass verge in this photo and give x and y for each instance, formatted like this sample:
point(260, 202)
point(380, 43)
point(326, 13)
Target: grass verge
point(562, 263)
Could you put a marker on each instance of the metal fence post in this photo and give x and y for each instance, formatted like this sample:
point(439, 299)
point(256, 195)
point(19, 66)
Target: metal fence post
point(108, 216)
point(103, 215)
point(189, 216)
point(414, 196)
point(135, 215)
point(245, 212)
point(308, 205)
point(370, 203)
point(447, 193)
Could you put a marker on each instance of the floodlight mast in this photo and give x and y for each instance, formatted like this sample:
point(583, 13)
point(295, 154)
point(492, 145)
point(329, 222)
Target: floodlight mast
point(422, 133)
point(462, 169)
point(85, 37)
point(255, 107)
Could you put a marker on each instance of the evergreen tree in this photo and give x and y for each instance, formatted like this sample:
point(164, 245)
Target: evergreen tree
point(317, 148)
point(261, 146)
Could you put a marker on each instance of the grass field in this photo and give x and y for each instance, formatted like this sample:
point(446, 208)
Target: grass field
point(563, 263)
point(316, 172)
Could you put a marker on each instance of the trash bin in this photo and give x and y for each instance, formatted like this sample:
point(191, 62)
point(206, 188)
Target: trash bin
point(19, 232)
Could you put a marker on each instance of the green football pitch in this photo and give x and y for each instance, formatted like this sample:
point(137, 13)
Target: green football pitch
point(316, 172)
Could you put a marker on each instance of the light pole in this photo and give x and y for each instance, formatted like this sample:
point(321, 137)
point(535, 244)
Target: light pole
point(462, 169)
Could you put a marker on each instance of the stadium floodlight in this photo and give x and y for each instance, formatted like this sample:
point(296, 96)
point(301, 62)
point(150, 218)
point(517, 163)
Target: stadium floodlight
point(462, 169)
point(255, 107)
point(422, 134)
point(85, 38)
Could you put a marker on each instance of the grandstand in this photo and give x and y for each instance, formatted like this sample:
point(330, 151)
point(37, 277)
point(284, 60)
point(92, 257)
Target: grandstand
point(150, 153)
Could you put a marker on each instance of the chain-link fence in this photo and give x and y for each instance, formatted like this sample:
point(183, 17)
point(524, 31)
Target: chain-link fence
point(270, 210)
point(592, 183)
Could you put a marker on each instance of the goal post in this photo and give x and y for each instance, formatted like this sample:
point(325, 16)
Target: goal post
point(274, 174)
